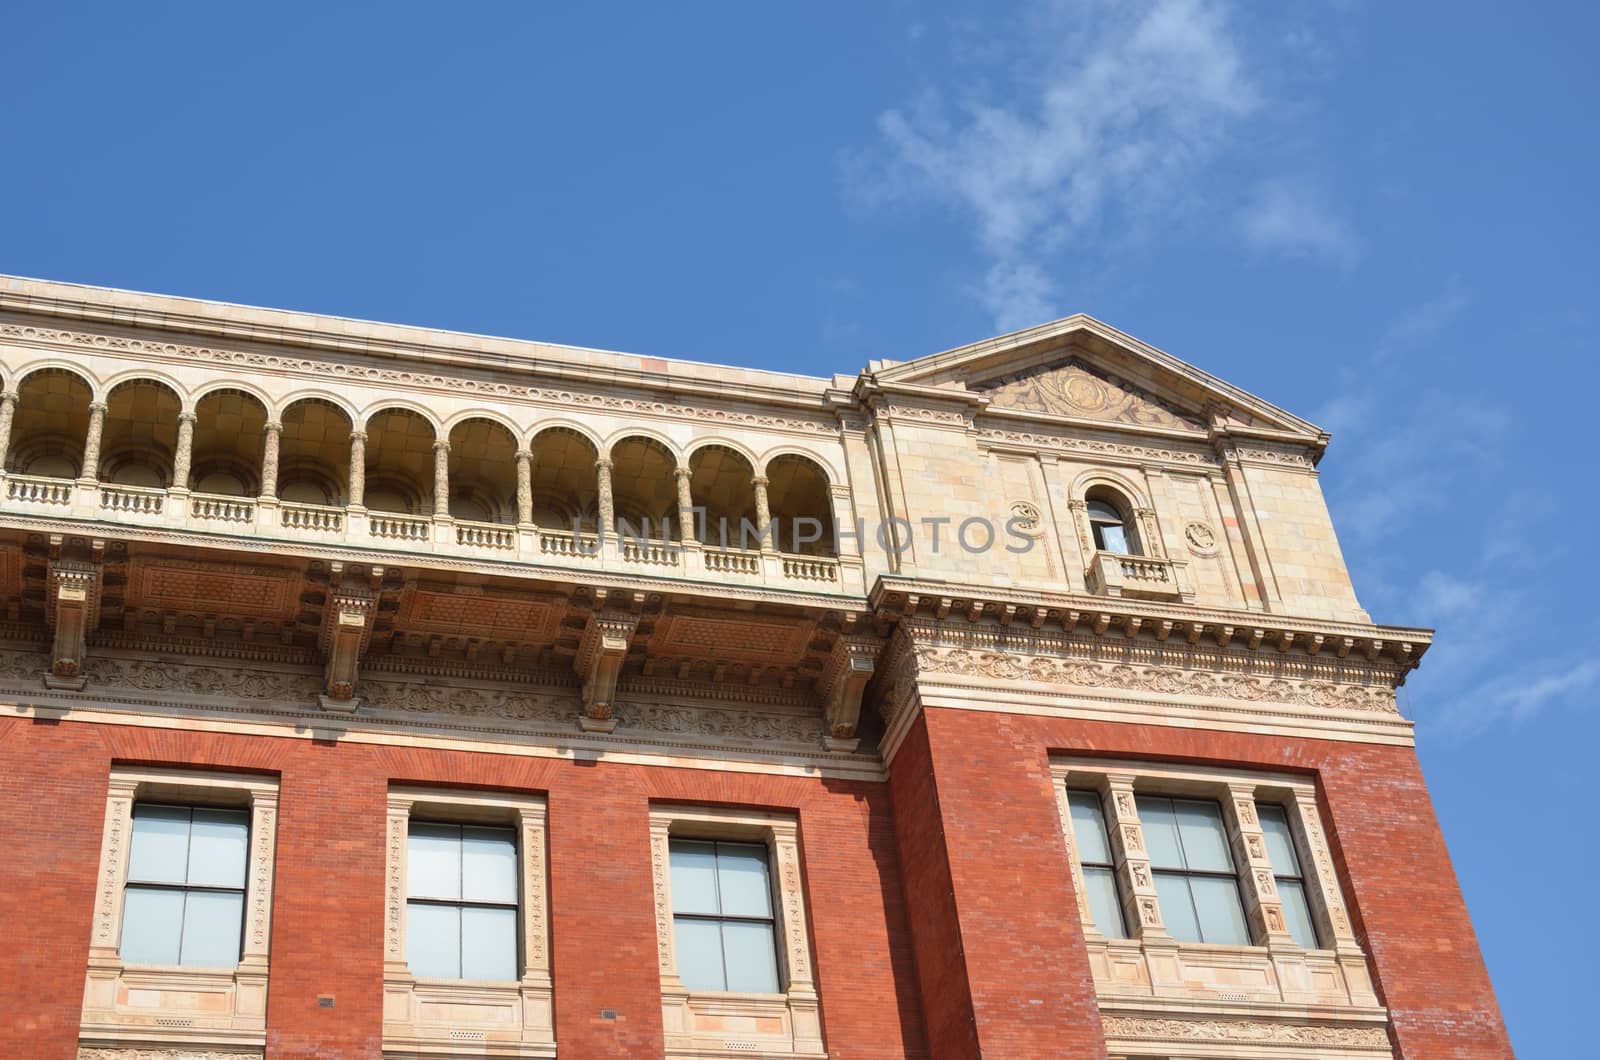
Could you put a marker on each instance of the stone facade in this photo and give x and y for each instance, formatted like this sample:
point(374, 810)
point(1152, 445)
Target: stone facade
point(345, 573)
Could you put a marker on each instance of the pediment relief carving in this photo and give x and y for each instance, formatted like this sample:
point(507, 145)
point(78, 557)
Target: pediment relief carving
point(1073, 388)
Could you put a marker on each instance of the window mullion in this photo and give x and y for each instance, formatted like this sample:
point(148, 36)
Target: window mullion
point(1141, 908)
point(1263, 907)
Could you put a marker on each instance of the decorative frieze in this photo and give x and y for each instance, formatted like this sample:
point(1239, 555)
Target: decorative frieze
point(1253, 1031)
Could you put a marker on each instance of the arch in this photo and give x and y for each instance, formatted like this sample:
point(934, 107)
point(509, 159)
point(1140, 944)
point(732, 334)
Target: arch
point(63, 367)
point(399, 471)
point(328, 397)
point(242, 386)
point(373, 411)
point(825, 465)
point(1133, 497)
point(722, 489)
point(489, 415)
point(565, 489)
point(644, 491)
point(229, 442)
point(139, 441)
point(722, 443)
point(628, 433)
point(314, 452)
point(154, 374)
point(800, 498)
point(51, 423)
point(570, 426)
point(483, 470)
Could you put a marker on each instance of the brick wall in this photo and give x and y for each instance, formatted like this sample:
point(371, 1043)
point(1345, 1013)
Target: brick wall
point(327, 931)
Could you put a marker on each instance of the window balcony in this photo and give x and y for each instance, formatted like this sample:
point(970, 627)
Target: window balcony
point(1139, 577)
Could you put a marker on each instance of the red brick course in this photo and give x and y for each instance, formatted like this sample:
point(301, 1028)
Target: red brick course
point(942, 900)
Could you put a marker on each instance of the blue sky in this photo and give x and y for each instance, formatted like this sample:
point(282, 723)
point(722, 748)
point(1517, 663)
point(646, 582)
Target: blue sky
point(1378, 215)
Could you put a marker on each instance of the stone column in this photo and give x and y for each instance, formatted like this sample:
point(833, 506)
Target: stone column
point(90, 471)
point(685, 504)
point(524, 487)
point(258, 893)
point(358, 469)
point(8, 409)
point(441, 480)
point(398, 830)
point(1324, 896)
point(1262, 906)
point(269, 461)
point(184, 455)
point(114, 845)
point(607, 504)
point(1064, 807)
point(803, 1004)
point(769, 541)
point(1136, 883)
point(536, 985)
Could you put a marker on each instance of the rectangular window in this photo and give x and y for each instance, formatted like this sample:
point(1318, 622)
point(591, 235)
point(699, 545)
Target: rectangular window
point(1099, 867)
point(461, 902)
point(184, 899)
point(724, 931)
point(1195, 880)
point(1286, 871)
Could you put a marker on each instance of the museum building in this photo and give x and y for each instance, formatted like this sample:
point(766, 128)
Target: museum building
point(378, 692)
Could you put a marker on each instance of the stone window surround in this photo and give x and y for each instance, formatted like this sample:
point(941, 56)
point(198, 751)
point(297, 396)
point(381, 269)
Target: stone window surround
point(1236, 791)
point(423, 1017)
point(171, 1005)
point(694, 1019)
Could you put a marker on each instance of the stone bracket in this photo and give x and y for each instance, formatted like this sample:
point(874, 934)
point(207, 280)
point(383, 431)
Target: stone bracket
point(346, 629)
point(601, 653)
point(850, 667)
point(72, 608)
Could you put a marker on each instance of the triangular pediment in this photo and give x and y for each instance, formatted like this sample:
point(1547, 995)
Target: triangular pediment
point(1080, 368)
point(1074, 388)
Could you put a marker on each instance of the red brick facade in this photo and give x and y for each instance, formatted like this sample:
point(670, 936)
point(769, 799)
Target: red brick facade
point(942, 916)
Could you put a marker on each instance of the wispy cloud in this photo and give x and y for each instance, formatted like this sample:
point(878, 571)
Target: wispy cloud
point(1135, 99)
point(1294, 219)
point(1419, 327)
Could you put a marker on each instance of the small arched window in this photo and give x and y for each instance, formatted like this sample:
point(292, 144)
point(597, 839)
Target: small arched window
point(1110, 529)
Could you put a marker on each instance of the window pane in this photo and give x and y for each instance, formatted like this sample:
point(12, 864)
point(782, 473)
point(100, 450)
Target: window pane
point(1100, 511)
point(1280, 843)
point(433, 940)
point(1177, 908)
point(699, 947)
point(1216, 901)
point(218, 841)
point(1103, 905)
point(1205, 840)
point(151, 921)
point(742, 880)
point(489, 944)
point(1089, 827)
point(1297, 911)
point(433, 864)
point(160, 852)
point(694, 877)
point(752, 961)
point(1160, 832)
point(212, 925)
point(488, 865)
point(1113, 539)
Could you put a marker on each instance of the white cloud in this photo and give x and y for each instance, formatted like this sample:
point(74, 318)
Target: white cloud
point(1133, 100)
point(1295, 220)
point(1421, 326)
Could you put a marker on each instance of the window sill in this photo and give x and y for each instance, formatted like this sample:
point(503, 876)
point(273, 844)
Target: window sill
point(702, 1023)
point(183, 1005)
point(1287, 975)
point(464, 1017)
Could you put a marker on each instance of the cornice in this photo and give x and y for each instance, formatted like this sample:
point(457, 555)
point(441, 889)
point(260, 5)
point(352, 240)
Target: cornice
point(1392, 650)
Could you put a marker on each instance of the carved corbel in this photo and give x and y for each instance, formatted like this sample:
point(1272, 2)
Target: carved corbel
point(345, 631)
point(74, 609)
point(850, 666)
point(599, 663)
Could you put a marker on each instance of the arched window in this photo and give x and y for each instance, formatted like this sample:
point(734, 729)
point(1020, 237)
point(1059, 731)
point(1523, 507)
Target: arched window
point(1112, 530)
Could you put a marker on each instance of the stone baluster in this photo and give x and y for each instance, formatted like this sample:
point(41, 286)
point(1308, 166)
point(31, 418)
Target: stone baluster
point(269, 461)
point(184, 456)
point(769, 541)
point(8, 409)
point(686, 526)
point(90, 472)
point(358, 469)
point(441, 480)
point(524, 487)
